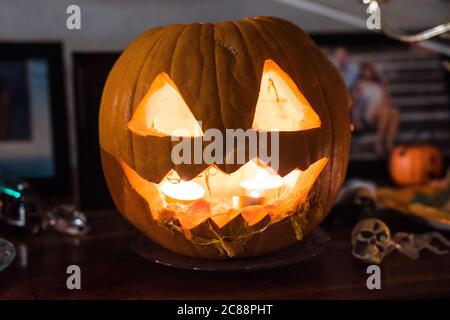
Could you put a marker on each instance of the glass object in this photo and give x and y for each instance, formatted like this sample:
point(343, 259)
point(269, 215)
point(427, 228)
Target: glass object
point(66, 219)
point(7, 253)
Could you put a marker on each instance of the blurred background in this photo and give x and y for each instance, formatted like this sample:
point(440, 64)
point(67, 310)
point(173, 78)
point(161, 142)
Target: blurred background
point(51, 79)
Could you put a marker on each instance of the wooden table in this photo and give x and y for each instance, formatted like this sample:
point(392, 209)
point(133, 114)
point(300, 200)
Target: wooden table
point(110, 269)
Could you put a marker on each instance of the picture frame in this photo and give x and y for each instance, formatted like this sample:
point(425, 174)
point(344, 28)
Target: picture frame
point(90, 70)
point(35, 147)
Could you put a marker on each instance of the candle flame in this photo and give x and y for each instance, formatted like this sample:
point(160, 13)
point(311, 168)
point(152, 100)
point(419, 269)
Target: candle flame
point(235, 202)
point(183, 190)
point(254, 194)
point(262, 180)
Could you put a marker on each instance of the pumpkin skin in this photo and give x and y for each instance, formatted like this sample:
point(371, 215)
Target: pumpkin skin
point(217, 69)
point(415, 165)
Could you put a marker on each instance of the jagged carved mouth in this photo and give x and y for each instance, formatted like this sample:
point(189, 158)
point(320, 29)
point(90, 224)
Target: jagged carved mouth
point(254, 191)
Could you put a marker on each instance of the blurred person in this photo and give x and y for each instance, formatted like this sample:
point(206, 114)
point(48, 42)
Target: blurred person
point(350, 74)
point(378, 108)
point(348, 70)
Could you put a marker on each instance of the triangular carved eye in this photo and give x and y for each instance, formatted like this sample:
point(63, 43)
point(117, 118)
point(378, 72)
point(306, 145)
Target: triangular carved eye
point(163, 112)
point(281, 106)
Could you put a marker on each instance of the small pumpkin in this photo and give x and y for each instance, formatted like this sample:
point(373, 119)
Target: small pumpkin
point(261, 74)
point(415, 165)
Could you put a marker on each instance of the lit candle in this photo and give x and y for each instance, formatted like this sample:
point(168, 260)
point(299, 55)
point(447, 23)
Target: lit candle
point(182, 191)
point(254, 194)
point(258, 190)
point(261, 183)
point(253, 199)
point(235, 202)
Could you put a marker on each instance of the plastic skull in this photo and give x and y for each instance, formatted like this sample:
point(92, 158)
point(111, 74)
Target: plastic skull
point(370, 240)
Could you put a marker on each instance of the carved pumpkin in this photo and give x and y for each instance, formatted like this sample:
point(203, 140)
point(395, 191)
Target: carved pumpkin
point(415, 165)
point(261, 74)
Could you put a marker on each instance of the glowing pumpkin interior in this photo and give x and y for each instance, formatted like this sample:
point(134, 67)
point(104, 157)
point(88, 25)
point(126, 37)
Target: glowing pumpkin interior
point(255, 190)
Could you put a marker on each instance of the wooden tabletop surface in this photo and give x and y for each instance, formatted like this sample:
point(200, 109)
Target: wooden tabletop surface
point(111, 270)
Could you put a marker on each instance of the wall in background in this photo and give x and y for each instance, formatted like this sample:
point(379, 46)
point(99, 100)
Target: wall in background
point(111, 24)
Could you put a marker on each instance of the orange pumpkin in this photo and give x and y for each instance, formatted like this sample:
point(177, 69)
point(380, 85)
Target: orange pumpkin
point(261, 74)
point(415, 165)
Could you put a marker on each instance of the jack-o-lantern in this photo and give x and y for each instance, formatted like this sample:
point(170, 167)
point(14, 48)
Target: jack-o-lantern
point(415, 165)
point(261, 75)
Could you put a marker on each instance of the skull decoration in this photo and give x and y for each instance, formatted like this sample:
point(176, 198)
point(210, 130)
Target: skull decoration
point(371, 239)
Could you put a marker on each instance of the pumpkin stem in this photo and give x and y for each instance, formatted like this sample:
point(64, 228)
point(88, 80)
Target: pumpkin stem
point(272, 84)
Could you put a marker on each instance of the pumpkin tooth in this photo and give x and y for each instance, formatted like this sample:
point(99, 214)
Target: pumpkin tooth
point(255, 214)
point(197, 213)
point(221, 219)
